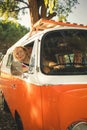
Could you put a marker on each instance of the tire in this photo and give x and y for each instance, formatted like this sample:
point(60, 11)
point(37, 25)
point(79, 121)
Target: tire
point(5, 106)
point(18, 122)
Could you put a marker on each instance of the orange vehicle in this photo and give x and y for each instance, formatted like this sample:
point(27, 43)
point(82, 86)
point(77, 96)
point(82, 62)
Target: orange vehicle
point(52, 94)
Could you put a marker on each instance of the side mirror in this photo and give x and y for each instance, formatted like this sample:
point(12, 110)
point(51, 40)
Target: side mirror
point(16, 68)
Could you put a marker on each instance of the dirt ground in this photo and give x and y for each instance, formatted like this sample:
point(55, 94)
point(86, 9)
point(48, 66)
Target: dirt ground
point(6, 120)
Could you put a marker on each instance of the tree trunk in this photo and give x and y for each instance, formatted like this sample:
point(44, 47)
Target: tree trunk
point(34, 15)
point(38, 10)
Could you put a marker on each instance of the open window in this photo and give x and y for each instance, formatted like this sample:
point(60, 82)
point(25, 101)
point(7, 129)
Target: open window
point(17, 67)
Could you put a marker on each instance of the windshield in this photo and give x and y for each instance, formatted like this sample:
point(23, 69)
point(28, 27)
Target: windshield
point(64, 52)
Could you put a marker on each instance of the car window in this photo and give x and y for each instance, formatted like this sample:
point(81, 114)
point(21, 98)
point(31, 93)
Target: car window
point(67, 49)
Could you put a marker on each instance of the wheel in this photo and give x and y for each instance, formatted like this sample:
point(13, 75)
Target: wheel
point(5, 106)
point(18, 122)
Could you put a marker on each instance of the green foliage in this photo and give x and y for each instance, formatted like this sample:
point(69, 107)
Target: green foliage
point(7, 9)
point(65, 7)
point(50, 4)
point(10, 33)
point(61, 7)
point(11, 8)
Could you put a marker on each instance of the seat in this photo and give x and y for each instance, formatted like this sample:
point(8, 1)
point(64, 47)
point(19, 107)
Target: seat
point(77, 57)
point(61, 60)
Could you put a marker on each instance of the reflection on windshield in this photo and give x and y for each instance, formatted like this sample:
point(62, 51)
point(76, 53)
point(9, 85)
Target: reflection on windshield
point(64, 52)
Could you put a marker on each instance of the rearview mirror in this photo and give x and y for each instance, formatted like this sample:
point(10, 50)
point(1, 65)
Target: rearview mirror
point(16, 68)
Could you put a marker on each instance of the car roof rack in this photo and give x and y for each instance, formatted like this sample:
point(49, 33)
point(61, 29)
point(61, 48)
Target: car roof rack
point(43, 24)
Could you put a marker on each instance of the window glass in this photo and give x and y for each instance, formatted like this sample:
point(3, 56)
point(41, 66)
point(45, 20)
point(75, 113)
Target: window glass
point(64, 52)
point(10, 59)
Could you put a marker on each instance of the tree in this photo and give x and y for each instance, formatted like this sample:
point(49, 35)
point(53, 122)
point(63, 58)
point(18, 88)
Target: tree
point(10, 33)
point(38, 8)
